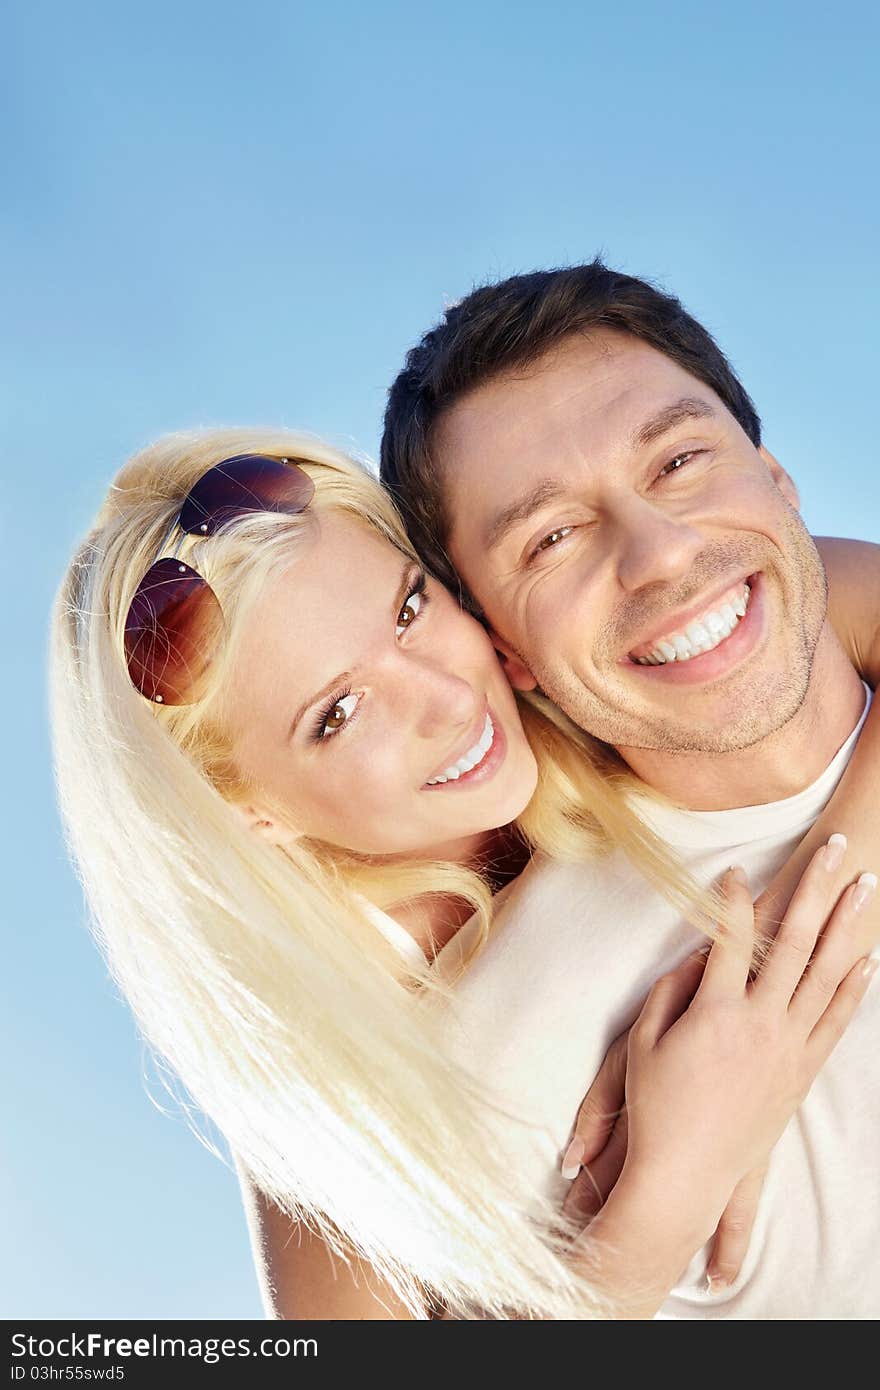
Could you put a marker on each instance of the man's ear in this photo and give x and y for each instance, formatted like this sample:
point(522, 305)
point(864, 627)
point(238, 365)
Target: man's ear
point(262, 823)
point(784, 481)
point(515, 669)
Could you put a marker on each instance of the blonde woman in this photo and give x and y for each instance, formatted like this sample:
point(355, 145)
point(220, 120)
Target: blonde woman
point(257, 832)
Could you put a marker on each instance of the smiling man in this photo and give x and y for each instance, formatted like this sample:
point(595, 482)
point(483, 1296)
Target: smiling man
point(598, 482)
point(573, 453)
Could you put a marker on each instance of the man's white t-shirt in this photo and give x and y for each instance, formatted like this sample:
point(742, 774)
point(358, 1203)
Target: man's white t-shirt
point(573, 951)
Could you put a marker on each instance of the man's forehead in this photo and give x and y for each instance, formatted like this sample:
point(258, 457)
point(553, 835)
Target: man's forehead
point(593, 393)
point(545, 388)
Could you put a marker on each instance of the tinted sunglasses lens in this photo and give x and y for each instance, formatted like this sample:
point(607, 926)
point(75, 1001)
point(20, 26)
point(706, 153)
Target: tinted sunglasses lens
point(246, 483)
point(173, 628)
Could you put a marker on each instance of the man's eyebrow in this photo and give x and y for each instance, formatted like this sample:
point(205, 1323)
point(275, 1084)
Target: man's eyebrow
point(407, 577)
point(520, 509)
point(688, 408)
point(549, 489)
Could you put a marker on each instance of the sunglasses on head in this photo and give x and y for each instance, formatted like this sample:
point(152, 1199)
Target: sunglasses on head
point(174, 622)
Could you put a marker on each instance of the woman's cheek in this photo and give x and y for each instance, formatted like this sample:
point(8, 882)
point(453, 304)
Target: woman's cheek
point(382, 781)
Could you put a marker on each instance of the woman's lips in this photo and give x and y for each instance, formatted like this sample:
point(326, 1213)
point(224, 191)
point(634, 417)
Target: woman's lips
point(484, 770)
point(710, 666)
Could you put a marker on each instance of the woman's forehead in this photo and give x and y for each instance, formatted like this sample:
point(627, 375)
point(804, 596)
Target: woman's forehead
point(340, 539)
point(326, 609)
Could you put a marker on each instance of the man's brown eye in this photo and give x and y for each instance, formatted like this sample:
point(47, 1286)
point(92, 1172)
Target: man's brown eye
point(554, 537)
point(680, 460)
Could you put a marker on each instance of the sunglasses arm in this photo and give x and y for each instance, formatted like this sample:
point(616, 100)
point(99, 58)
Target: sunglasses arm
point(175, 526)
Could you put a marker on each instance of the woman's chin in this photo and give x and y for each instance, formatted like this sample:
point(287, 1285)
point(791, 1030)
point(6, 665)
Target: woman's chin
point(465, 816)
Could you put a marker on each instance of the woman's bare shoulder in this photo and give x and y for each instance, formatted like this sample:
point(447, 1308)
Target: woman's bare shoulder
point(301, 1277)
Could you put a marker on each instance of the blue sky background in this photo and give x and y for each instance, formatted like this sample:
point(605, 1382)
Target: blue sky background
point(217, 214)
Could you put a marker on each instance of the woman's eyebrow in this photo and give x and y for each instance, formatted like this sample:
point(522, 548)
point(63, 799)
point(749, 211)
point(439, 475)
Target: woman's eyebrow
point(409, 575)
point(410, 569)
point(326, 690)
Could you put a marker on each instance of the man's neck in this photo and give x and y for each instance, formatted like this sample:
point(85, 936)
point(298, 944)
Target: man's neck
point(782, 764)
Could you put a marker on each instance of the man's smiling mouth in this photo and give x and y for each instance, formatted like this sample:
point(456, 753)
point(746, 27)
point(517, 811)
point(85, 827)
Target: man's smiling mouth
point(707, 630)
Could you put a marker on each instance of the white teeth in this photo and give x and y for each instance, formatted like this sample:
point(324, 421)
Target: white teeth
point(702, 635)
point(698, 636)
point(470, 759)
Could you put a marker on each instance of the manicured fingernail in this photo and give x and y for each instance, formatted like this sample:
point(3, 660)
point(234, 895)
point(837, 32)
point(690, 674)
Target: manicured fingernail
point(574, 1157)
point(863, 890)
point(715, 1283)
point(834, 852)
point(871, 962)
point(738, 873)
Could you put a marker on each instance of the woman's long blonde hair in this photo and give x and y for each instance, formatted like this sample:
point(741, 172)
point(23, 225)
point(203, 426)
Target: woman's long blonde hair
point(256, 972)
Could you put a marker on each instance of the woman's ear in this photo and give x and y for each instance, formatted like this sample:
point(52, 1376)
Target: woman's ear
point(515, 669)
point(262, 823)
point(784, 481)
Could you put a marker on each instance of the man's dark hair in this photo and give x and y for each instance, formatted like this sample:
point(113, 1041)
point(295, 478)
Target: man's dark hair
point(509, 325)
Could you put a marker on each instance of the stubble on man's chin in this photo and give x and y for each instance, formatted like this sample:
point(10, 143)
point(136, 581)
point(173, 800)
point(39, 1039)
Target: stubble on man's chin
point(770, 710)
point(763, 708)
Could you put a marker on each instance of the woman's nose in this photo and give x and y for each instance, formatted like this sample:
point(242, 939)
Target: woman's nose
point(442, 700)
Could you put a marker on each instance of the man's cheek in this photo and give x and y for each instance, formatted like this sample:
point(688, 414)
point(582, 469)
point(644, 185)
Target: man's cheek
point(745, 501)
point(539, 628)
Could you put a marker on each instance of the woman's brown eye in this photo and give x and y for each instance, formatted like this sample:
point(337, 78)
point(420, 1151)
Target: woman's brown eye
point(409, 612)
point(339, 715)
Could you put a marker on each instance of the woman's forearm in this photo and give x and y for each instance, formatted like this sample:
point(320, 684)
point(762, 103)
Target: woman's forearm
point(853, 570)
point(853, 811)
point(640, 1243)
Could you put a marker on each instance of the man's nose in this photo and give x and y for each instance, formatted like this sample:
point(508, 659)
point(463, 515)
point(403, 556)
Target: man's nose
point(653, 547)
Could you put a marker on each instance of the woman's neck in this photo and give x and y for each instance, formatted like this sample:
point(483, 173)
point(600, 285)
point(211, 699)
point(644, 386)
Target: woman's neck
point(434, 918)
